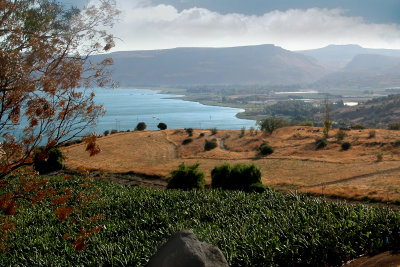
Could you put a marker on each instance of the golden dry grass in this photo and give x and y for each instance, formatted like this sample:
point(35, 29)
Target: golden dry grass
point(295, 164)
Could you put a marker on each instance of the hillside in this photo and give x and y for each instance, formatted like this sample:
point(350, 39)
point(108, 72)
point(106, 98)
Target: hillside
point(295, 164)
point(336, 57)
point(365, 71)
point(379, 111)
point(263, 64)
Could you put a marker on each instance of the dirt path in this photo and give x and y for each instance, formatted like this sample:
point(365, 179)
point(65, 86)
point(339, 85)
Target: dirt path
point(354, 178)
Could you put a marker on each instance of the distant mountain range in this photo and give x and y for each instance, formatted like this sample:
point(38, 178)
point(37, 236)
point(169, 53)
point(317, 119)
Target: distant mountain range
point(332, 66)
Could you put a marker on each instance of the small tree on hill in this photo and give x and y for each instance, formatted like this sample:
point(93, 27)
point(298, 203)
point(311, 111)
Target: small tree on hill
point(268, 125)
point(162, 126)
point(141, 126)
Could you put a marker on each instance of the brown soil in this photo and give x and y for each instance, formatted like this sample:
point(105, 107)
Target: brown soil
point(295, 164)
point(387, 259)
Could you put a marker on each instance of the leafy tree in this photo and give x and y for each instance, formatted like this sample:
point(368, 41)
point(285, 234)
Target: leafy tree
point(268, 125)
point(162, 126)
point(45, 68)
point(141, 126)
point(189, 131)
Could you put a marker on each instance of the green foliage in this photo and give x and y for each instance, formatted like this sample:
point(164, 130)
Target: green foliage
point(106, 132)
point(307, 123)
point(241, 177)
point(114, 131)
point(268, 125)
point(162, 126)
point(296, 109)
point(320, 142)
point(187, 177)
point(327, 127)
point(267, 229)
point(346, 145)
point(340, 135)
point(394, 125)
point(266, 149)
point(242, 131)
point(202, 134)
point(358, 127)
point(210, 144)
point(189, 131)
point(187, 141)
point(214, 131)
point(46, 161)
point(141, 126)
point(220, 175)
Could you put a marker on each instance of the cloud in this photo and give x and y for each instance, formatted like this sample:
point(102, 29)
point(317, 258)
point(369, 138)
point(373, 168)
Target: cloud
point(145, 26)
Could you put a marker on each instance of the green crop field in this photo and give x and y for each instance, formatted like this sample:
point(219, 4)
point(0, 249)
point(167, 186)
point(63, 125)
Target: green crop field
point(251, 229)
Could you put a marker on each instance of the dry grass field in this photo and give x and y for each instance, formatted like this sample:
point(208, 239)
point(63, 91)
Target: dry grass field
point(357, 173)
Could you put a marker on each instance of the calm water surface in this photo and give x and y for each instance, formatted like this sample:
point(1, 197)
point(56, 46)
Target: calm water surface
point(126, 107)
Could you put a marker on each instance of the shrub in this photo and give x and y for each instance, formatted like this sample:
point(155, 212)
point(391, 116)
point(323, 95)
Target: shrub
point(106, 132)
point(162, 126)
point(141, 126)
point(220, 175)
point(114, 131)
point(187, 177)
point(189, 131)
point(209, 145)
point(346, 145)
point(187, 141)
point(266, 149)
point(340, 135)
point(243, 176)
point(257, 187)
point(321, 142)
point(251, 130)
point(202, 134)
point(358, 127)
point(394, 126)
point(307, 123)
point(214, 131)
point(242, 131)
point(372, 134)
point(46, 161)
point(268, 125)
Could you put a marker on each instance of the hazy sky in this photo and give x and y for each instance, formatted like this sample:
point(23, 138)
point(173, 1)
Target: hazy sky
point(291, 24)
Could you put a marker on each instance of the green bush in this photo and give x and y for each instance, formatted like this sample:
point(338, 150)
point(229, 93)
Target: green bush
point(242, 132)
point(187, 141)
point(307, 123)
point(394, 126)
point(220, 175)
point(266, 149)
point(340, 135)
point(141, 126)
point(202, 134)
point(106, 132)
point(268, 125)
point(162, 126)
point(257, 187)
point(346, 145)
point(187, 177)
point(209, 145)
point(214, 131)
point(358, 127)
point(189, 131)
point(241, 177)
point(46, 161)
point(321, 142)
point(114, 131)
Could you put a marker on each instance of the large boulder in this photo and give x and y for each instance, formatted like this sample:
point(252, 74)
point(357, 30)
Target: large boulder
point(184, 249)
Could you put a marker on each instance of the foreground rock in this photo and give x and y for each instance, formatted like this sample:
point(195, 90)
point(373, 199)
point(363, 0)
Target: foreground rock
point(184, 249)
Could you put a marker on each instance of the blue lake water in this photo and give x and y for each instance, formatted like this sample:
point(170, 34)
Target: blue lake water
point(126, 107)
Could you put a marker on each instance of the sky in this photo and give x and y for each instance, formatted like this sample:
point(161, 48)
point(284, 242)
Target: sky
point(290, 24)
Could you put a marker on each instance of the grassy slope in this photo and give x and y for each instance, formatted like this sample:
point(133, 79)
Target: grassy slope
point(295, 164)
point(251, 229)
